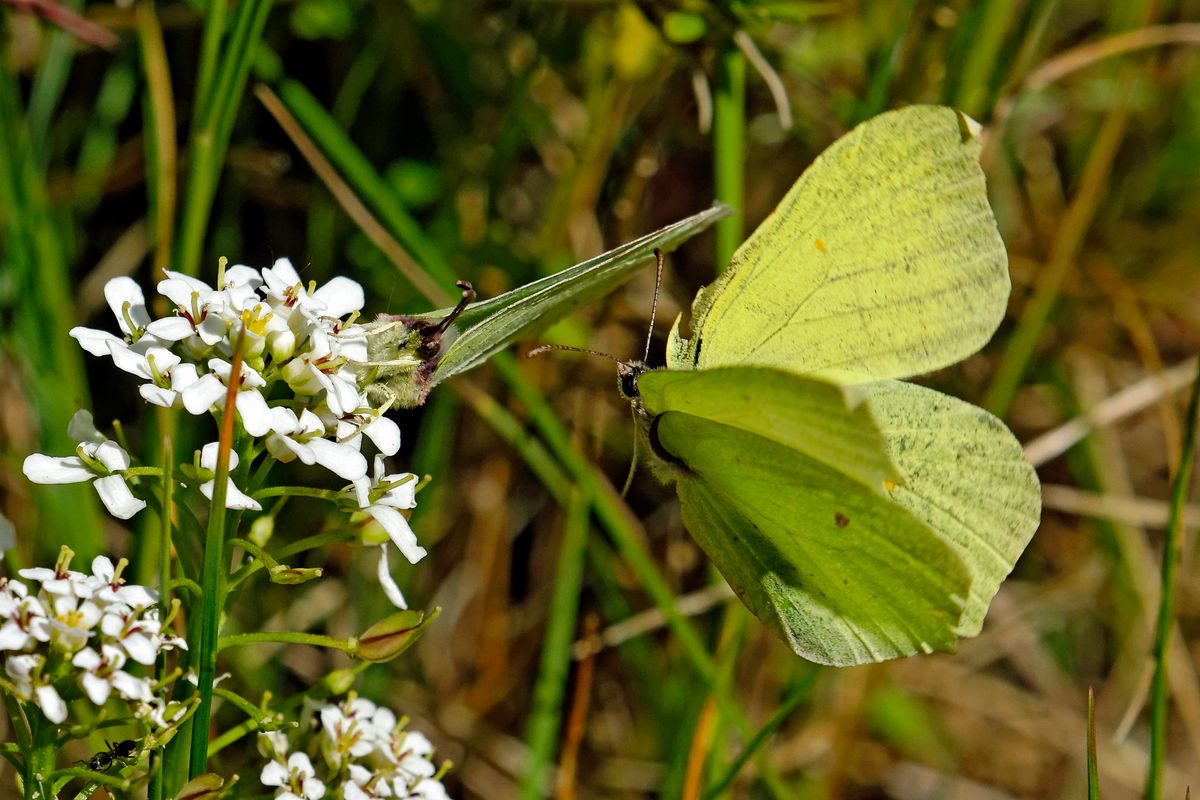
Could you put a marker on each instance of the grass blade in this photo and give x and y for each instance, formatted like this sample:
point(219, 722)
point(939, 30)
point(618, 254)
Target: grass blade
point(1092, 767)
point(546, 716)
point(1172, 553)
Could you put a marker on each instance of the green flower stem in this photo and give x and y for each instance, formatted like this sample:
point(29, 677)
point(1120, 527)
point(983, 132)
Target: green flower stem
point(1172, 553)
point(298, 546)
point(347, 646)
point(155, 790)
point(213, 574)
point(317, 690)
point(300, 491)
point(256, 551)
point(39, 769)
point(186, 583)
point(138, 472)
point(245, 706)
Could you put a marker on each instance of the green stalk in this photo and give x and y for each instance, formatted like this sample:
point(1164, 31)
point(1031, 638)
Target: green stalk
point(39, 768)
point(1092, 766)
point(347, 646)
point(156, 788)
point(729, 149)
point(1172, 553)
point(213, 575)
point(541, 732)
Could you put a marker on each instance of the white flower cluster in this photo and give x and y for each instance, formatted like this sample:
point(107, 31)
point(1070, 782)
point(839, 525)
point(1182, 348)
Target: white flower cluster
point(85, 629)
point(362, 752)
point(303, 350)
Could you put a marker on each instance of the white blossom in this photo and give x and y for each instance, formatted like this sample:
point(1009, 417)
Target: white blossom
point(97, 459)
point(296, 781)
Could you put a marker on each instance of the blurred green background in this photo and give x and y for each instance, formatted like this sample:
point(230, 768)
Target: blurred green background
point(410, 143)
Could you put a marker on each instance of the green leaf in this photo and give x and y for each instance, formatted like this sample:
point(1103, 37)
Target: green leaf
point(882, 261)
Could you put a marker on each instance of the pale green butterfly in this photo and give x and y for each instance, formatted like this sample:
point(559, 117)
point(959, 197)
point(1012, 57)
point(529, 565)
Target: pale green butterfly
point(409, 355)
point(859, 517)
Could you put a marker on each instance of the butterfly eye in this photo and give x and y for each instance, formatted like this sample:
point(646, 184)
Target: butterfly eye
point(628, 383)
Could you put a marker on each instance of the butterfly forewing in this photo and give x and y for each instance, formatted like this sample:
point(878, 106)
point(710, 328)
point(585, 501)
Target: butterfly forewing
point(491, 325)
point(882, 261)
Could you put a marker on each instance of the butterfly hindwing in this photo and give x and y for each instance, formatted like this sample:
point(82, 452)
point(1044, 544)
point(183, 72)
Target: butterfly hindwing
point(965, 475)
point(840, 572)
point(882, 261)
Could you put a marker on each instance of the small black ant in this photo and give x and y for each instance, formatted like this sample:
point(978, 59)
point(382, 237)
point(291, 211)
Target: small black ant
point(121, 751)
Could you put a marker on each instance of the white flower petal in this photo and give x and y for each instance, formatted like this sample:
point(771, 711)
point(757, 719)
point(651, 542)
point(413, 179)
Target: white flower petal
point(96, 688)
point(340, 459)
point(385, 434)
point(401, 534)
point(140, 648)
point(121, 290)
point(274, 774)
point(284, 420)
point(129, 360)
point(313, 789)
point(41, 468)
point(281, 275)
point(171, 329)
point(51, 703)
point(132, 688)
point(13, 637)
point(208, 457)
point(203, 394)
point(158, 396)
point(95, 341)
point(214, 327)
point(341, 296)
point(111, 455)
point(242, 275)
point(82, 428)
point(389, 585)
point(117, 497)
point(255, 413)
point(234, 498)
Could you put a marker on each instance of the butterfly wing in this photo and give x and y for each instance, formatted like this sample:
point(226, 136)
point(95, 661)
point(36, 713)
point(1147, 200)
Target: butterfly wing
point(491, 325)
point(965, 475)
point(802, 528)
point(882, 261)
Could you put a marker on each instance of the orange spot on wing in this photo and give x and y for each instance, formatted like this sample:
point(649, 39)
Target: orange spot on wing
point(820, 243)
point(889, 485)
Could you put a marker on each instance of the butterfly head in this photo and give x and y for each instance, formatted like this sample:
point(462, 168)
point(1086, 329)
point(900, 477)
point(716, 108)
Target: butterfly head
point(628, 373)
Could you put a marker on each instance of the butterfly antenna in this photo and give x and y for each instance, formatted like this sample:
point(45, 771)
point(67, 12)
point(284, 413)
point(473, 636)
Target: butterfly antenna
point(468, 295)
point(537, 351)
point(658, 254)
